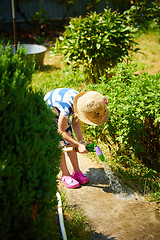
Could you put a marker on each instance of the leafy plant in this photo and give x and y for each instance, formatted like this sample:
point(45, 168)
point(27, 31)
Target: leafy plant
point(144, 15)
point(132, 132)
point(40, 17)
point(134, 122)
point(98, 42)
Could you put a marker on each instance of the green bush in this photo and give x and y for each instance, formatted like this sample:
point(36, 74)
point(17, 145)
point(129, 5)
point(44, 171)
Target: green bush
point(134, 122)
point(98, 42)
point(132, 132)
point(144, 15)
point(29, 154)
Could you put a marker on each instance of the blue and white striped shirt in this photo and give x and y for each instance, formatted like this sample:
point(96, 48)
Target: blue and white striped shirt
point(61, 98)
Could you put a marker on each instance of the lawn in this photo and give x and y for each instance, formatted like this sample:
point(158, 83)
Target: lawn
point(149, 55)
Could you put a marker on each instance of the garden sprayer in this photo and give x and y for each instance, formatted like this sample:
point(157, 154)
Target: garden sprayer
point(91, 147)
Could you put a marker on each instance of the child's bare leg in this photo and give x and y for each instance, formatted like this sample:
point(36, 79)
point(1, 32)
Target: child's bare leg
point(63, 166)
point(74, 160)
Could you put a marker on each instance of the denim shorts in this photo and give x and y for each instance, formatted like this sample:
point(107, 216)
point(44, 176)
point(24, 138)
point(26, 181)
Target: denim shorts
point(63, 142)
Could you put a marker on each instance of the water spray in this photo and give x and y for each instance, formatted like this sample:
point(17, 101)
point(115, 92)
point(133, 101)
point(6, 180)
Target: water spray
point(113, 181)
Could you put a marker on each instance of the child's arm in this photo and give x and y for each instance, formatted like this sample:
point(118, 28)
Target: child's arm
point(62, 123)
point(77, 129)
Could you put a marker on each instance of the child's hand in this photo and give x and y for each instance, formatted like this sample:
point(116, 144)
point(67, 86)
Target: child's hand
point(82, 148)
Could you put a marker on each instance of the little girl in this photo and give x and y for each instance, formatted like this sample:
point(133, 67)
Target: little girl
point(89, 107)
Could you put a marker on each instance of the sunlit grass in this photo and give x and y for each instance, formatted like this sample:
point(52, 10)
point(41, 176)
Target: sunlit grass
point(149, 54)
point(54, 74)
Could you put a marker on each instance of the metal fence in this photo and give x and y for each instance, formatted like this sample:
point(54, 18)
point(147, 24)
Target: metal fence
point(54, 11)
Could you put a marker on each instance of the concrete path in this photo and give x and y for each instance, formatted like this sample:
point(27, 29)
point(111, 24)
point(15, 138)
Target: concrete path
point(112, 216)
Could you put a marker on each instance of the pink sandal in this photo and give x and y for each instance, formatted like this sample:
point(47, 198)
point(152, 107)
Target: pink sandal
point(70, 182)
point(80, 177)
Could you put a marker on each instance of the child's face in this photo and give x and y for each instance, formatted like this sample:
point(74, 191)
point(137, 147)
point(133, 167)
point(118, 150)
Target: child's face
point(99, 116)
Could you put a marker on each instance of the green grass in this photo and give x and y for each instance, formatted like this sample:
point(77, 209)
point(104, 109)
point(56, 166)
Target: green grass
point(54, 75)
point(76, 223)
point(149, 55)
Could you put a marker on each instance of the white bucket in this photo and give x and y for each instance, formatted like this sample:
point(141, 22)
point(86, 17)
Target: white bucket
point(35, 50)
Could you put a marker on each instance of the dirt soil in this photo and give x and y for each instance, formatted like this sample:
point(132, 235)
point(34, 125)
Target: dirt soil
point(111, 215)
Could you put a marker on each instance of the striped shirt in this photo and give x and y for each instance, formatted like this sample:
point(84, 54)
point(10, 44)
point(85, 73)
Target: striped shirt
point(61, 98)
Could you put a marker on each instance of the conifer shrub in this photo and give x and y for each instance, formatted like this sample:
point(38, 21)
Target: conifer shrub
point(29, 153)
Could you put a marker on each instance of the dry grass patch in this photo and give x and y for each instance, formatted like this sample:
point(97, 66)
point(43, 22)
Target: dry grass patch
point(149, 58)
point(55, 62)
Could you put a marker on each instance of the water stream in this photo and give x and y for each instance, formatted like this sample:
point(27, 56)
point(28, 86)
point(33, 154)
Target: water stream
point(116, 187)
